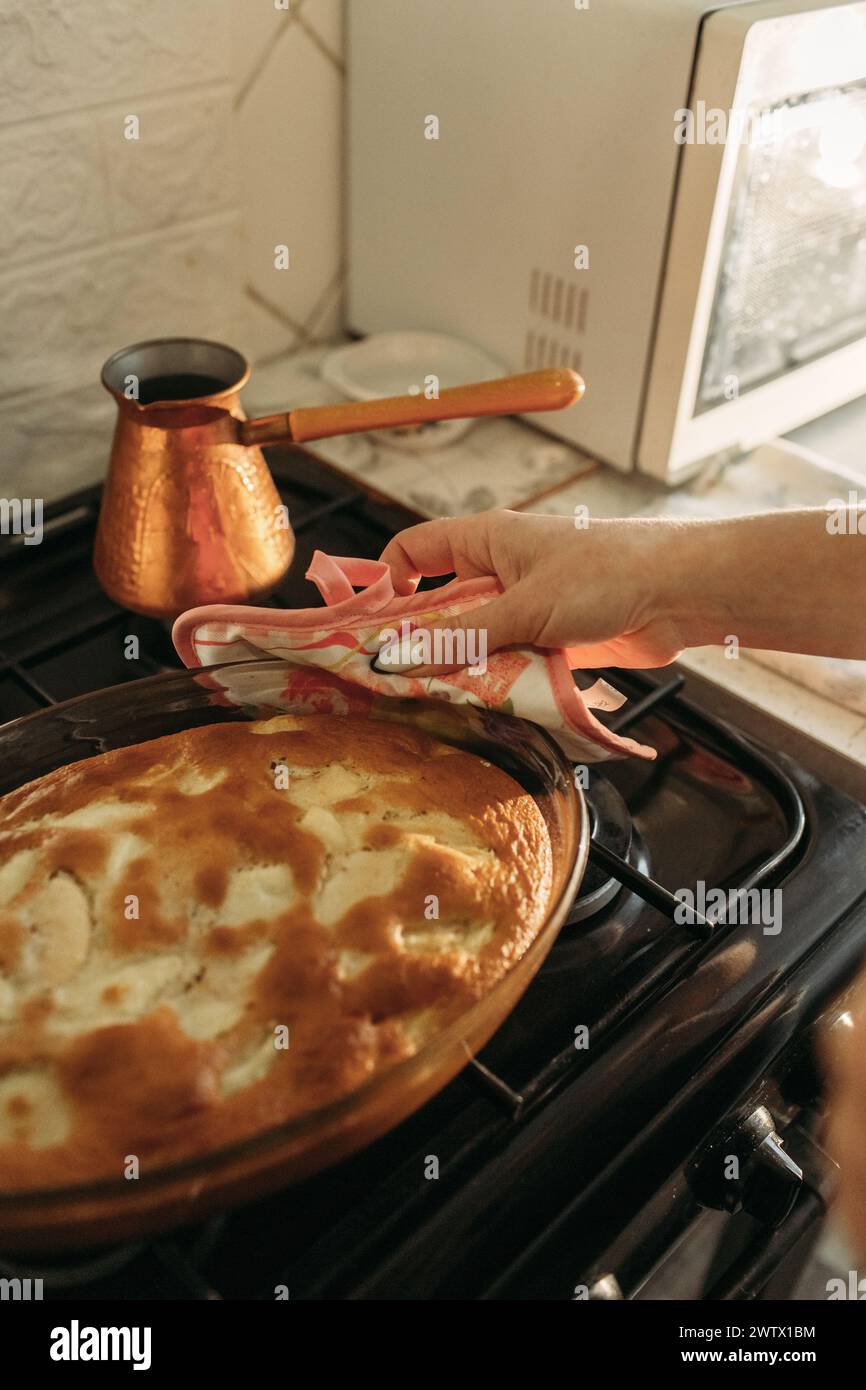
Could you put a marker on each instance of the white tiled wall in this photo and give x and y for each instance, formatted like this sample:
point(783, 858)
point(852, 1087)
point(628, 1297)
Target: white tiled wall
point(106, 240)
point(288, 75)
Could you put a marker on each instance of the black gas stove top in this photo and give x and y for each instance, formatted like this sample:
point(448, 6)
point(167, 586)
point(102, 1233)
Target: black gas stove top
point(586, 1140)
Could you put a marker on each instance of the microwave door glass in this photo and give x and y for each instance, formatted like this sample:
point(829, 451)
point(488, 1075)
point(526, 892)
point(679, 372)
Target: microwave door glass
point(792, 277)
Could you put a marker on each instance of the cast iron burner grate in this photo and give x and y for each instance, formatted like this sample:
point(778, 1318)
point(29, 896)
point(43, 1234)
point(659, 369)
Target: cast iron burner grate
point(712, 803)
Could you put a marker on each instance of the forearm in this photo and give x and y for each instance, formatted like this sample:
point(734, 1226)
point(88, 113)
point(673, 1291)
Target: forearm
point(781, 581)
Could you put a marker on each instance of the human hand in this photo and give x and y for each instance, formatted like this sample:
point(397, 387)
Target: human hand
point(599, 591)
point(636, 591)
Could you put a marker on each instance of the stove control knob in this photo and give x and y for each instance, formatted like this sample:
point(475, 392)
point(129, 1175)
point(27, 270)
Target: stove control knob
point(604, 1289)
point(744, 1167)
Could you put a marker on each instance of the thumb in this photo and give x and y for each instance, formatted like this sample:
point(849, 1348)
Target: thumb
point(465, 639)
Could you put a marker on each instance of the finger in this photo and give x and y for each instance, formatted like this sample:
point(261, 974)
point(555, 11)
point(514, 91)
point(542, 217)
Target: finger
point(419, 550)
point(464, 640)
point(433, 548)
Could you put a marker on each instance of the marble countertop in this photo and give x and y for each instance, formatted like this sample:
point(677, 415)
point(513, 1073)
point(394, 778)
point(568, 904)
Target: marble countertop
point(508, 463)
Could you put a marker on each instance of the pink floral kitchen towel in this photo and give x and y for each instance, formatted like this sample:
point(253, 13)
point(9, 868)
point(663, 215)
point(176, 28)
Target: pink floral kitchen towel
point(330, 656)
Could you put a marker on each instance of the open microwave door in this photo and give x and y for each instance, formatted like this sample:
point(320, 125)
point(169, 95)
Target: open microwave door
point(762, 317)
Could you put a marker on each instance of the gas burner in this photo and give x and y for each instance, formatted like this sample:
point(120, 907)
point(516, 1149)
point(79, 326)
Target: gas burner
point(611, 826)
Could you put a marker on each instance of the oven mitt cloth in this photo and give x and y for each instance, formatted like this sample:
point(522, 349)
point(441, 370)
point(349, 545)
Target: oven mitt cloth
point(329, 655)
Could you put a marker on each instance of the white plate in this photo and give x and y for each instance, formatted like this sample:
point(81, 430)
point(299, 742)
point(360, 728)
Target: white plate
point(398, 364)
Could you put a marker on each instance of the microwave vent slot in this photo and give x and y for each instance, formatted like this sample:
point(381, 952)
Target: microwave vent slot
point(544, 350)
point(556, 301)
point(556, 312)
point(534, 281)
point(582, 305)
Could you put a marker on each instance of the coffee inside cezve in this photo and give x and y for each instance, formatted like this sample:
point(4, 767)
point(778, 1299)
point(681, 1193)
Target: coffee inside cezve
point(178, 386)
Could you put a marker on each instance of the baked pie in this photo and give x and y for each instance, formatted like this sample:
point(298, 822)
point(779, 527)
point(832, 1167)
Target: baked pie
point(214, 932)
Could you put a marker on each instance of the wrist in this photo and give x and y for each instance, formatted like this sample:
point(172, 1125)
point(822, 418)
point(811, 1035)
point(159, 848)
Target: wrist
point(691, 582)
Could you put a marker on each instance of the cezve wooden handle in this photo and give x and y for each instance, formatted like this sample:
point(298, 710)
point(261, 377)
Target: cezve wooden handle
point(551, 389)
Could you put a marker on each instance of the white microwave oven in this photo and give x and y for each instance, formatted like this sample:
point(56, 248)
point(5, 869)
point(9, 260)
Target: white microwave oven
point(667, 195)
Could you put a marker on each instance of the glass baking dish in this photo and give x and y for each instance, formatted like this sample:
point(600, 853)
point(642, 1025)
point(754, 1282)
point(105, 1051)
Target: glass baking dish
point(73, 1217)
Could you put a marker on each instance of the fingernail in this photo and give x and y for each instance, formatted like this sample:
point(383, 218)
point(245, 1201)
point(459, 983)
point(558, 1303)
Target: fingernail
point(387, 660)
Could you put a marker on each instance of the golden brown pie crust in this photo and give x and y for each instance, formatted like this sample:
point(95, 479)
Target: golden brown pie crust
point(174, 913)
